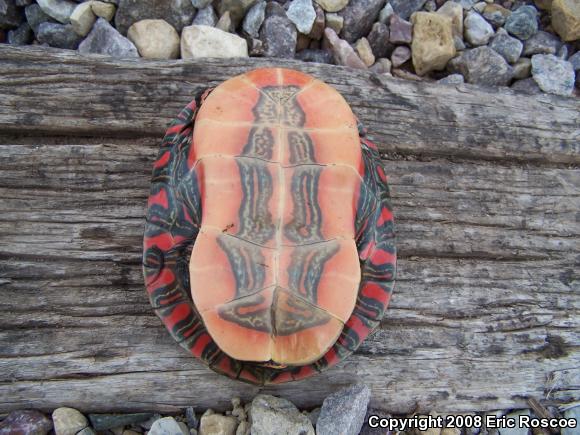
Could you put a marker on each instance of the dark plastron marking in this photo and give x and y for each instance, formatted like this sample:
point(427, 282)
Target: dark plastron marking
point(306, 223)
point(255, 218)
point(298, 310)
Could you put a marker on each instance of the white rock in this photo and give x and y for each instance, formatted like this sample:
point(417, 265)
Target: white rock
point(455, 12)
point(385, 14)
point(167, 426)
point(103, 9)
point(205, 41)
point(477, 30)
point(217, 424)
point(335, 22)
point(68, 421)
point(302, 14)
point(155, 39)
point(83, 18)
point(332, 5)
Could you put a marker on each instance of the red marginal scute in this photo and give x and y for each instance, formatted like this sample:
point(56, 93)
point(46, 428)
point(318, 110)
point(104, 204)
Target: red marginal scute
point(200, 344)
point(160, 198)
point(375, 291)
point(386, 216)
point(179, 313)
point(248, 376)
point(282, 378)
point(382, 257)
point(164, 278)
point(163, 160)
point(358, 326)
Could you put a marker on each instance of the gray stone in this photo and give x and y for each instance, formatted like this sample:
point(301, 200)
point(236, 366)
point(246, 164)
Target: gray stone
point(523, 22)
point(522, 68)
point(553, 75)
point(225, 23)
point(60, 10)
point(466, 4)
point(10, 16)
point(401, 55)
point(68, 421)
point(452, 79)
point(191, 417)
point(342, 52)
point(22, 35)
point(200, 4)
point(255, 47)
point(572, 413)
point(205, 41)
point(477, 31)
point(482, 66)
point(430, 6)
point(313, 416)
point(575, 61)
point(367, 430)
point(564, 51)
point(167, 426)
point(25, 422)
point(237, 8)
point(58, 35)
point(147, 424)
point(254, 19)
point(400, 31)
point(459, 44)
point(22, 3)
point(381, 66)
point(302, 14)
point(178, 13)
point(516, 430)
point(279, 36)
point(386, 13)
point(405, 8)
point(275, 416)
point(102, 422)
point(91, 431)
point(496, 14)
point(314, 55)
point(542, 43)
point(35, 15)
point(359, 16)
point(510, 48)
point(344, 411)
point(104, 39)
point(205, 17)
point(379, 40)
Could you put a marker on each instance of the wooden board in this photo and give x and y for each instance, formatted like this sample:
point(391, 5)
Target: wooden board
point(486, 192)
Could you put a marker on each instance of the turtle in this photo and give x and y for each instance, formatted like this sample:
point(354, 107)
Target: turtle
point(269, 245)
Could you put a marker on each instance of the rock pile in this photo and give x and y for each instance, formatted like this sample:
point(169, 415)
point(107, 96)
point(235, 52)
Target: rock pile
point(345, 412)
point(529, 45)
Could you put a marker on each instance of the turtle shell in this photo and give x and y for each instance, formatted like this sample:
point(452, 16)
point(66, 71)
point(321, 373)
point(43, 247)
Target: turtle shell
point(269, 245)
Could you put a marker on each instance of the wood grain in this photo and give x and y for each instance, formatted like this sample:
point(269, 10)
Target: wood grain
point(486, 308)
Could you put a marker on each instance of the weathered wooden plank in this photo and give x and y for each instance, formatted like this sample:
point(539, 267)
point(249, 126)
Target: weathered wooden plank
point(461, 335)
point(102, 96)
point(480, 331)
point(443, 209)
